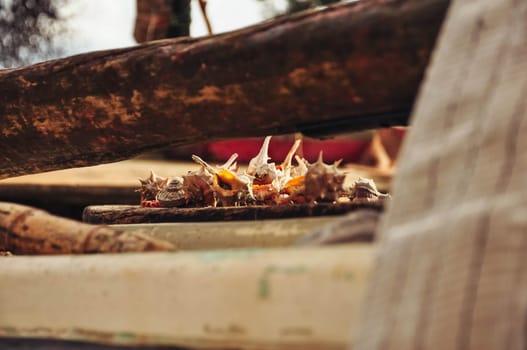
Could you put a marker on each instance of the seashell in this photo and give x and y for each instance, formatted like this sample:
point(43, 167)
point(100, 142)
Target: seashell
point(198, 188)
point(198, 185)
point(264, 194)
point(150, 187)
point(286, 165)
point(230, 164)
point(173, 194)
point(301, 168)
point(365, 191)
point(295, 186)
point(262, 172)
point(293, 191)
point(229, 188)
point(323, 182)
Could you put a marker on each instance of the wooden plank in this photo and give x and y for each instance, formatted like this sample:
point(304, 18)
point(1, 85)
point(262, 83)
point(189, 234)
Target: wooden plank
point(451, 272)
point(234, 234)
point(26, 230)
point(357, 226)
point(350, 66)
point(246, 299)
point(53, 344)
point(133, 214)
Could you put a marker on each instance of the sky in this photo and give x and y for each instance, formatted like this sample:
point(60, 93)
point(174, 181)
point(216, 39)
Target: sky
point(102, 24)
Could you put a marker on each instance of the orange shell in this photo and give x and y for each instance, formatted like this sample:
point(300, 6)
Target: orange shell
point(295, 185)
point(264, 192)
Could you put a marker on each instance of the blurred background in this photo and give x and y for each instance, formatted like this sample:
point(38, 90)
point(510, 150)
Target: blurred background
point(35, 30)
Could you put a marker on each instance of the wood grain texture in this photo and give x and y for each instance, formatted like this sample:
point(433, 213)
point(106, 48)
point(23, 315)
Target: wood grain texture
point(134, 214)
point(26, 230)
point(231, 234)
point(222, 299)
point(451, 271)
point(53, 344)
point(351, 66)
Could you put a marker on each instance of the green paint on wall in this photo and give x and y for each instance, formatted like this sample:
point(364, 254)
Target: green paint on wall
point(264, 283)
point(220, 255)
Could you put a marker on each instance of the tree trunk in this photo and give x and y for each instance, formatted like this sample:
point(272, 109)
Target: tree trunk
point(348, 66)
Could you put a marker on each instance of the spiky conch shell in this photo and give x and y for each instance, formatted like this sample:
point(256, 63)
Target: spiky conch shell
point(292, 182)
point(197, 186)
point(263, 175)
point(323, 182)
point(229, 188)
point(151, 186)
point(259, 168)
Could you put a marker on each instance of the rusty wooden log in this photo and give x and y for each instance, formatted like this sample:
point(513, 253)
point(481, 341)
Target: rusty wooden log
point(25, 230)
point(353, 66)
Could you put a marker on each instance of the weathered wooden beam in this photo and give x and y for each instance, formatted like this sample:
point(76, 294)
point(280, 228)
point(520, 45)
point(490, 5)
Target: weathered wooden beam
point(349, 66)
point(134, 214)
point(282, 299)
point(26, 230)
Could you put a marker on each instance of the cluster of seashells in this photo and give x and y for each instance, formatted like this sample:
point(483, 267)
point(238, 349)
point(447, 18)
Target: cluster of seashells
point(262, 183)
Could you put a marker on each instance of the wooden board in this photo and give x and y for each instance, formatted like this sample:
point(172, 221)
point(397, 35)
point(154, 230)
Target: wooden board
point(231, 234)
point(133, 214)
point(239, 299)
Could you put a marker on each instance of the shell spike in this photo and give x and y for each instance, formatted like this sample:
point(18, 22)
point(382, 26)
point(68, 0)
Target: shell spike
point(287, 161)
point(286, 165)
point(302, 165)
point(203, 164)
point(261, 158)
point(231, 162)
point(320, 159)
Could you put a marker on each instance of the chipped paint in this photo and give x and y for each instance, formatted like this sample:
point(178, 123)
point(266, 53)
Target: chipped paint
point(343, 273)
point(264, 283)
point(297, 331)
point(220, 255)
point(186, 299)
